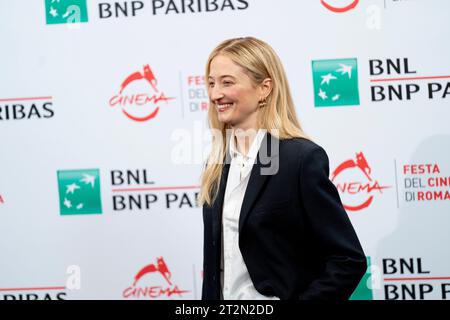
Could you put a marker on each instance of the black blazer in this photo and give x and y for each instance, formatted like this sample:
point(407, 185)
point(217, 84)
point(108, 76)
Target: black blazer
point(294, 234)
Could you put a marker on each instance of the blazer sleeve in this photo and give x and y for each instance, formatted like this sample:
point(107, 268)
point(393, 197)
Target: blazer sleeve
point(334, 238)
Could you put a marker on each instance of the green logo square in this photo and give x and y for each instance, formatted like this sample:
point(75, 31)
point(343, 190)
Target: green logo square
point(79, 192)
point(362, 291)
point(335, 82)
point(65, 11)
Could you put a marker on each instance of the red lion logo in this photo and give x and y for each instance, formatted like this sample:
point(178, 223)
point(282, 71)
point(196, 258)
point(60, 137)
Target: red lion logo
point(147, 75)
point(361, 163)
point(139, 100)
point(357, 187)
point(160, 267)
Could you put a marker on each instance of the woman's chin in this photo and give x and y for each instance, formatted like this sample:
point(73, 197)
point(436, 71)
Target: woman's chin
point(224, 119)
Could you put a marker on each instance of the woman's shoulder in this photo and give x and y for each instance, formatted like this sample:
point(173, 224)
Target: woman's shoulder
point(306, 154)
point(299, 146)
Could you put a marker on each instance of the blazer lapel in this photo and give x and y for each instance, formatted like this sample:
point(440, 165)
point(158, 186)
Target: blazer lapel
point(218, 203)
point(258, 176)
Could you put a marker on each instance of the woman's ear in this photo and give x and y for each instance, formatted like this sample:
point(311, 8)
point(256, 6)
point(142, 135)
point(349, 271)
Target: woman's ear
point(266, 87)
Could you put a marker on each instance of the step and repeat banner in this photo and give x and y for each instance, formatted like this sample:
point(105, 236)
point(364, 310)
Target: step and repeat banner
point(104, 132)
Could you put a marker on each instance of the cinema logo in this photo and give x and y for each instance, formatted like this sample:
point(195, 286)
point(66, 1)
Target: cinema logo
point(133, 190)
point(353, 179)
point(339, 6)
point(409, 279)
point(139, 97)
point(37, 293)
point(425, 182)
point(161, 283)
point(27, 108)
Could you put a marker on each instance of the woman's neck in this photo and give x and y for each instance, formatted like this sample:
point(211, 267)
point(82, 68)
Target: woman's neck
point(244, 139)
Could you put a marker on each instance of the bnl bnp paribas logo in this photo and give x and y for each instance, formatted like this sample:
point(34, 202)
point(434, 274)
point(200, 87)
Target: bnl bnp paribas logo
point(65, 11)
point(79, 192)
point(335, 82)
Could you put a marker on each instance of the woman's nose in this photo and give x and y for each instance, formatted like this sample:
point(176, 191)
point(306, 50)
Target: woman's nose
point(215, 94)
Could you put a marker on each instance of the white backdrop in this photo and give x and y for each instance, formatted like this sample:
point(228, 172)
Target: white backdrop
point(58, 129)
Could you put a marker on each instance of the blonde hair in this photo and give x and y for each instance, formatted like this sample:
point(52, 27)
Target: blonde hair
point(259, 61)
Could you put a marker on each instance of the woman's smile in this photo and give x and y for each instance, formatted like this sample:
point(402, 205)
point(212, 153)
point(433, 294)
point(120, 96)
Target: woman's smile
point(224, 107)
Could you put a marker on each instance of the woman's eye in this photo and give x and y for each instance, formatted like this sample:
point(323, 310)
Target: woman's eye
point(211, 84)
point(228, 83)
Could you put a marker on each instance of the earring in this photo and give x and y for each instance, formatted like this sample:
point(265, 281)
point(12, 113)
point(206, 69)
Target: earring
point(262, 103)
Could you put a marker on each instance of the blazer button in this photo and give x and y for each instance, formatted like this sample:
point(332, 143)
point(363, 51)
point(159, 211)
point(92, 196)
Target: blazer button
point(214, 278)
point(214, 243)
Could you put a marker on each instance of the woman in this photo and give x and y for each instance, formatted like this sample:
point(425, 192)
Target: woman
point(274, 225)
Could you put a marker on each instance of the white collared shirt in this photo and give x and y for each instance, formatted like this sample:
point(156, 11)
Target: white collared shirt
point(235, 279)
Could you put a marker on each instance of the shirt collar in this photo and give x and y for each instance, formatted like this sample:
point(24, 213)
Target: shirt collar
point(254, 148)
